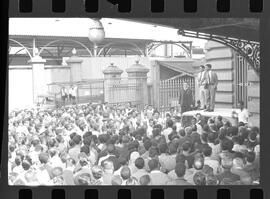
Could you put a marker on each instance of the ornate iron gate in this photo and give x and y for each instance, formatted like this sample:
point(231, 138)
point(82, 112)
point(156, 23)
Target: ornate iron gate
point(169, 90)
point(122, 91)
point(241, 80)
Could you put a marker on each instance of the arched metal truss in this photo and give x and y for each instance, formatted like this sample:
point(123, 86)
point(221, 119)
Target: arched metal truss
point(114, 43)
point(10, 58)
point(250, 50)
point(52, 42)
point(20, 44)
point(185, 45)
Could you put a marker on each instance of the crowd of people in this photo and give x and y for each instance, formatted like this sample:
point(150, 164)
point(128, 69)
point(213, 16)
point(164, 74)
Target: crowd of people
point(101, 144)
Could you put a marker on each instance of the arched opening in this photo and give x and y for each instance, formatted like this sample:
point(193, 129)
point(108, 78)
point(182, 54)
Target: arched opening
point(74, 41)
point(23, 48)
point(110, 47)
point(157, 45)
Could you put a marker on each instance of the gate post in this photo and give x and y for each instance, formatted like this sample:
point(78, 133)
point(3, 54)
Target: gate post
point(156, 84)
point(137, 75)
point(74, 62)
point(38, 77)
point(112, 75)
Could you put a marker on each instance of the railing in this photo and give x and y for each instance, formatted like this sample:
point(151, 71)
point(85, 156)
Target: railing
point(124, 91)
point(87, 91)
point(116, 91)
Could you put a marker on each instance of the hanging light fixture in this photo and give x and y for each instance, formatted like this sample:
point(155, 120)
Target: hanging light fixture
point(96, 33)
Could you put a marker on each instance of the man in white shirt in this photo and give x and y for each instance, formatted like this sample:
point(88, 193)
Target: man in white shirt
point(214, 164)
point(201, 87)
point(243, 114)
point(166, 132)
point(212, 80)
point(73, 94)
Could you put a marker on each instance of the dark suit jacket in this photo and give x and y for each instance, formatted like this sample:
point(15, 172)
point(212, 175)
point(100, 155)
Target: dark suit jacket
point(186, 97)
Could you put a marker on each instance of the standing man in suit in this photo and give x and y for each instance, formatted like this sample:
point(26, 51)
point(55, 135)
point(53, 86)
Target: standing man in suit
point(212, 80)
point(201, 76)
point(186, 98)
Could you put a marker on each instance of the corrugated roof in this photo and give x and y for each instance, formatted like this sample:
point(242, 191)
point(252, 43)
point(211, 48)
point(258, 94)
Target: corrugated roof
point(185, 66)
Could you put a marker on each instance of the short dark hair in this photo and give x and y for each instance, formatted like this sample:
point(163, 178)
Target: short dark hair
point(17, 161)
point(219, 117)
point(72, 135)
point(147, 144)
point(207, 151)
point(85, 149)
point(226, 144)
point(250, 156)
point(70, 142)
point(163, 148)
point(241, 103)
point(87, 134)
point(168, 115)
point(206, 128)
point(255, 129)
point(186, 146)
point(153, 164)
point(156, 132)
point(153, 151)
point(208, 65)
point(202, 66)
point(241, 124)
point(26, 165)
point(77, 139)
point(232, 131)
point(182, 132)
point(252, 135)
point(43, 157)
point(211, 137)
point(180, 169)
point(87, 140)
point(172, 148)
point(169, 123)
point(139, 163)
point(180, 158)
point(122, 160)
point(204, 137)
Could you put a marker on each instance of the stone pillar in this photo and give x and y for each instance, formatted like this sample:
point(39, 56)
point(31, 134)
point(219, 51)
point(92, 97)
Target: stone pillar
point(137, 76)
point(75, 64)
point(156, 83)
point(38, 77)
point(112, 76)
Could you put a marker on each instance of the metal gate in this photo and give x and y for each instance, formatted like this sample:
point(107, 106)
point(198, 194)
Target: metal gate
point(91, 91)
point(241, 80)
point(169, 90)
point(87, 91)
point(122, 91)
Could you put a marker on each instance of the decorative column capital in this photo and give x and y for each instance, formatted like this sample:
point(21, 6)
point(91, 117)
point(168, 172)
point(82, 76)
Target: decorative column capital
point(137, 70)
point(37, 60)
point(74, 60)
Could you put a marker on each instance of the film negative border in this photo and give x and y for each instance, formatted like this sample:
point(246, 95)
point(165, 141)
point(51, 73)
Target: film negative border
point(127, 8)
point(241, 8)
point(134, 192)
